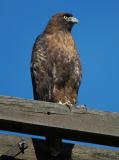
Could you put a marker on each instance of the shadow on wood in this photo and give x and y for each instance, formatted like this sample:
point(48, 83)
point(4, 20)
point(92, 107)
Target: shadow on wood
point(4, 157)
point(42, 151)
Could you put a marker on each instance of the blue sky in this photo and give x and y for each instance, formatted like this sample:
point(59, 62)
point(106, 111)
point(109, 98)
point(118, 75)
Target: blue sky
point(97, 39)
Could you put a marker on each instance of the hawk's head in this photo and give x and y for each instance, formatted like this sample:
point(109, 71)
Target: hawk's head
point(62, 21)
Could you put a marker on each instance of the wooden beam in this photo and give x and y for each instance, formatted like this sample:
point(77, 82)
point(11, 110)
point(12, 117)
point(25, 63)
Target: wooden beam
point(43, 118)
point(78, 153)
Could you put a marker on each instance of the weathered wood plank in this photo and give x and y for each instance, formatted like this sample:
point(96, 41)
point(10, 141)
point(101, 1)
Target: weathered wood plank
point(78, 152)
point(16, 149)
point(7, 142)
point(43, 118)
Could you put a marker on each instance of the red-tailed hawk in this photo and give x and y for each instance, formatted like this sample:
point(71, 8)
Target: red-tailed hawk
point(55, 65)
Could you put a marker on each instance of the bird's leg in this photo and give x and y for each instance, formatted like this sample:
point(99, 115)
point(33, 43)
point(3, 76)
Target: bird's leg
point(60, 102)
point(67, 103)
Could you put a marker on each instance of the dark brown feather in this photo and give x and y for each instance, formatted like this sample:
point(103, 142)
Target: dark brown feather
point(55, 66)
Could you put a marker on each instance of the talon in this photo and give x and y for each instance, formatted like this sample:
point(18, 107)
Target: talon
point(67, 103)
point(60, 102)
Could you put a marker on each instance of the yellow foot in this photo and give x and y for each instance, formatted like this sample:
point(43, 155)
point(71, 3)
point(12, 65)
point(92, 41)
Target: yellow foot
point(67, 103)
point(60, 102)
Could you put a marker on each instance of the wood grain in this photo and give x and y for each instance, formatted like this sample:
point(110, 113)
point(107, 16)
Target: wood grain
point(43, 118)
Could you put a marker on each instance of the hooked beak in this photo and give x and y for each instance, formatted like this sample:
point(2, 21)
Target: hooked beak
point(72, 19)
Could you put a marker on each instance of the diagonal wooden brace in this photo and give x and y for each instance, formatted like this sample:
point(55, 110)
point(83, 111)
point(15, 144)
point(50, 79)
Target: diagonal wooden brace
point(16, 149)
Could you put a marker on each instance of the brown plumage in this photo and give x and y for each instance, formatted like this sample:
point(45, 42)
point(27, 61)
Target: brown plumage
point(55, 65)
